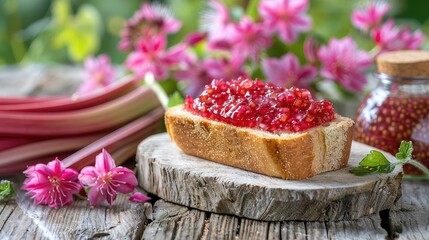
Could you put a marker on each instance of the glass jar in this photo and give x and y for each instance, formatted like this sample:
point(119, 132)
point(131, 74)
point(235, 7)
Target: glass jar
point(398, 109)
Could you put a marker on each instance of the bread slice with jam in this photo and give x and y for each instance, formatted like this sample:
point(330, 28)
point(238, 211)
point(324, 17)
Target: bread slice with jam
point(280, 153)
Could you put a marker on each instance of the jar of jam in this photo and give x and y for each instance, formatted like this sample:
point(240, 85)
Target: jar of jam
point(398, 109)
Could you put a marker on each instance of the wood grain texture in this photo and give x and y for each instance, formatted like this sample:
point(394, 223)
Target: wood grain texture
point(172, 221)
point(23, 220)
point(201, 184)
point(174, 225)
point(409, 219)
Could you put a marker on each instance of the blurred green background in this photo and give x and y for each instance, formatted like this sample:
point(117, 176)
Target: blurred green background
point(67, 31)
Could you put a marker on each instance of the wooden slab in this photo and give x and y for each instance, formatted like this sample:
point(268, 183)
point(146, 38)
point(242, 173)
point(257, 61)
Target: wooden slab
point(338, 195)
point(21, 219)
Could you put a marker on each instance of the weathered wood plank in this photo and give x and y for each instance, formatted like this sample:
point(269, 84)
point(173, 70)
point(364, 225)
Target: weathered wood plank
point(252, 229)
point(222, 227)
point(338, 195)
point(23, 220)
point(171, 221)
point(364, 228)
point(293, 230)
point(409, 219)
point(178, 222)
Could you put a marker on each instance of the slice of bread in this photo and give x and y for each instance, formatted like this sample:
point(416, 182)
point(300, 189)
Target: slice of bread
point(286, 155)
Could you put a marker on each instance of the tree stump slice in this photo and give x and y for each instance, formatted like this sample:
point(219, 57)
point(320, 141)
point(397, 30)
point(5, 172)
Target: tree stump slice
point(197, 183)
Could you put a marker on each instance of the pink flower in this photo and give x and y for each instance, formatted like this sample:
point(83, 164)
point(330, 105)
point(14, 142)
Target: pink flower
point(370, 17)
point(285, 17)
point(287, 72)
point(390, 37)
point(51, 184)
point(218, 25)
point(151, 20)
point(151, 56)
point(344, 62)
point(248, 38)
point(310, 48)
point(106, 180)
point(196, 76)
point(139, 198)
point(411, 40)
point(98, 72)
point(224, 68)
point(194, 38)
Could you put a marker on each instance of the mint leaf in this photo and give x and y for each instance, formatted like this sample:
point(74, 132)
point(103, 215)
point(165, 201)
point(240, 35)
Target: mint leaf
point(374, 162)
point(374, 159)
point(405, 151)
point(175, 99)
point(362, 170)
point(6, 190)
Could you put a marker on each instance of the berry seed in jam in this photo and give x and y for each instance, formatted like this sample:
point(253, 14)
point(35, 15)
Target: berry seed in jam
point(254, 104)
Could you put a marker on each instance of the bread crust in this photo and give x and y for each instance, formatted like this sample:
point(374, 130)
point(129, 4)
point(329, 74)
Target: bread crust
point(288, 155)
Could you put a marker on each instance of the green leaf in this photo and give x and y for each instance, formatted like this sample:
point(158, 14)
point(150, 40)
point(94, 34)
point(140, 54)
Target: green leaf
point(252, 10)
point(374, 159)
point(365, 170)
point(61, 11)
point(6, 190)
point(405, 151)
point(175, 99)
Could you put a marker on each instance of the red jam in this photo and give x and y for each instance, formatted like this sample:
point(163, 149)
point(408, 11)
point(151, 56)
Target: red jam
point(254, 104)
point(384, 121)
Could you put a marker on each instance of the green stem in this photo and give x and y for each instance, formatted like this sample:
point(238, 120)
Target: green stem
point(416, 178)
point(419, 166)
point(149, 80)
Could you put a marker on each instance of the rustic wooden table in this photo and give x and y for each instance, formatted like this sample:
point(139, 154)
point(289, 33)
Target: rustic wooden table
point(20, 219)
point(158, 219)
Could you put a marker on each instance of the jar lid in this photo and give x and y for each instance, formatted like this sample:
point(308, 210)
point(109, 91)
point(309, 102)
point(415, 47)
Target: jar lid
point(405, 63)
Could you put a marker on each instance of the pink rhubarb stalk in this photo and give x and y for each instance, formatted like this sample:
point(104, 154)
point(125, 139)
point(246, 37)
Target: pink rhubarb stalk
point(109, 93)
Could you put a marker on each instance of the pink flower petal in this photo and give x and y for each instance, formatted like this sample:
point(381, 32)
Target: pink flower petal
point(104, 162)
point(123, 180)
point(139, 198)
point(95, 197)
point(88, 176)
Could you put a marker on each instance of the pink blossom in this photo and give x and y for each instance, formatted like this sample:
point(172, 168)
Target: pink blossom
point(411, 40)
point(310, 48)
point(98, 73)
point(287, 18)
point(371, 16)
point(151, 20)
point(51, 184)
point(196, 76)
point(224, 68)
point(194, 38)
point(390, 37)
point(344, 62)
point(217, 23)
point(139, 198)
point(151, 55)
point(106, 180)
point(248, 38)
point(287, 72)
